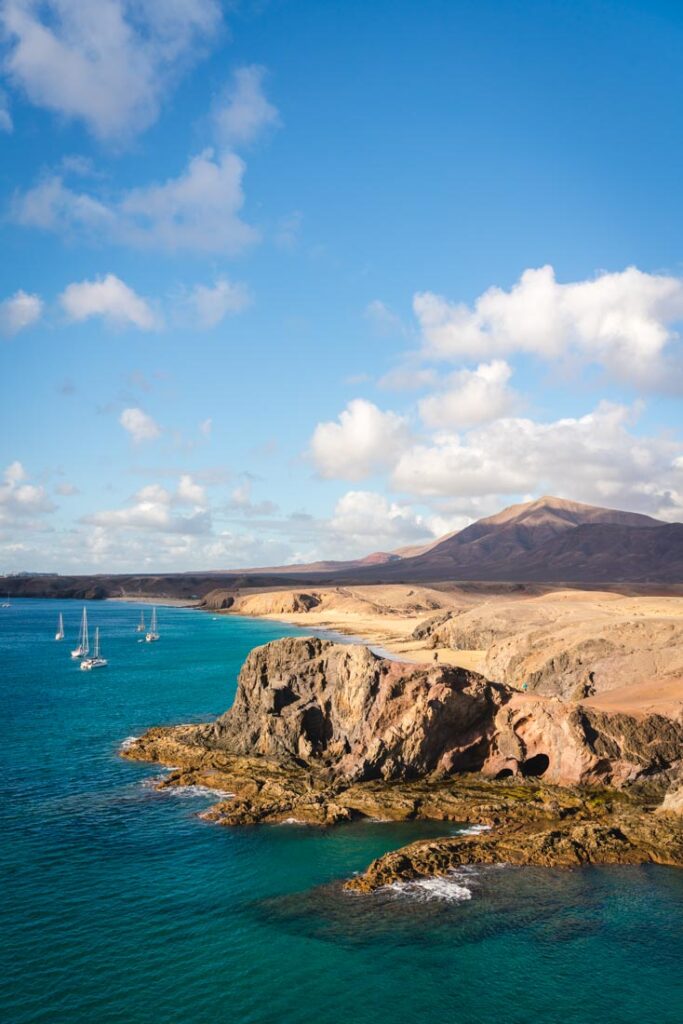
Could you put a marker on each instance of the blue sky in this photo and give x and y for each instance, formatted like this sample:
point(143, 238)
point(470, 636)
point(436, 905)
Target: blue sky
point(291, 280)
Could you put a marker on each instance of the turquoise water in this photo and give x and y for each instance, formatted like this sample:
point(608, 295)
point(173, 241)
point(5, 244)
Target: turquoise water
point(121, 906)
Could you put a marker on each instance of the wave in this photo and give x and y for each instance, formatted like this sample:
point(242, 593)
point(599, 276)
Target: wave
point(474, 830)
point(128, 742)
point(455, 887)
point(185, 791)
point(195, 790)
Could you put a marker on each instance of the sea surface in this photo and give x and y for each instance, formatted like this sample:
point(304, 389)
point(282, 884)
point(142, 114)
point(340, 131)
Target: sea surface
point(120, 906)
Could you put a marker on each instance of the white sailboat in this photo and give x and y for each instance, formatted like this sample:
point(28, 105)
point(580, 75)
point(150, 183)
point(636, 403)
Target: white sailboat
point(59, 635)
point(141, 627)
point(83, 641)
point(6, 604)
point(97, 661)
point(152, 633)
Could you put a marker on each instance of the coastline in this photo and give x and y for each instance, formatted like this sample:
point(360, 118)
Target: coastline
point(161, 602)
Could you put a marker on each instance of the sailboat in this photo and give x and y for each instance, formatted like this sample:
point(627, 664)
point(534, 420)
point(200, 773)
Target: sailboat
point(140, 628)
point(83, 642)
point(6, 604)
point(59, 635)
point(97, 661)
point(152, 633)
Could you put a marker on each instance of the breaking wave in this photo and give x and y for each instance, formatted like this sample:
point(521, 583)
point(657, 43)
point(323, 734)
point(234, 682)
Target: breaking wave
point(455, 887)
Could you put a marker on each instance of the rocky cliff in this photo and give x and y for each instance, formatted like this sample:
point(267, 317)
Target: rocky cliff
point(324, 732)
point(341, 707)
point(342, 710)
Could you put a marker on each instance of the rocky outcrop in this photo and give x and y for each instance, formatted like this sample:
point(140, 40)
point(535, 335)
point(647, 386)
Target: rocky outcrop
point(340, 707)
point(340, 710)
point(629, 838)
point(569, 744)
point(323, 733)
point(277, 602)
point(218, 600)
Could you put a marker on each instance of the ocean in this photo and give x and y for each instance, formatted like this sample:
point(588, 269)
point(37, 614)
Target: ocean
point(120, 905)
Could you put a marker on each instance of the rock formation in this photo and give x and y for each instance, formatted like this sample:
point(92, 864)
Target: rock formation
point(324, 732)
point(341, 707)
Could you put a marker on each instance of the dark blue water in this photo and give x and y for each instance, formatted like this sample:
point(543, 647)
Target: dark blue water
point(121, 906)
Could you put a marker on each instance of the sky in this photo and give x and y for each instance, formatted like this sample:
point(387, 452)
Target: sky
point(289, 280)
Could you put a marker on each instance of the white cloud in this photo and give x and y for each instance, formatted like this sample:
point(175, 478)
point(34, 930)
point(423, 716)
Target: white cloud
point(206, 426)
point(369, 520)
point(197, 210)
point(189, 492)
point(594, 458)
point(110, 298)
point(108, 64)
point(622, 320)
point(152, 509)
point(139, 425)
point(22, 502)
point(241, 502)
point(470, 397)
point(209, 304)
point(19, 311)
point(244, 111)
point(364, 441)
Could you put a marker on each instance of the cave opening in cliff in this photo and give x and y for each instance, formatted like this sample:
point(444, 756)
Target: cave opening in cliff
point(504, 773)
point(535, 766)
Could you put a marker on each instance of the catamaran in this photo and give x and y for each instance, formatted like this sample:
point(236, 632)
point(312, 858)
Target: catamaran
point(83, 641)
point(152, 634)
point(141, 627)
point(97, 661)
point(59, 635)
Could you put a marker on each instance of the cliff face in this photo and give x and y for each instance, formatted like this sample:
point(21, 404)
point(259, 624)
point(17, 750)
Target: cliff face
point(341, 708)
point(569, 744)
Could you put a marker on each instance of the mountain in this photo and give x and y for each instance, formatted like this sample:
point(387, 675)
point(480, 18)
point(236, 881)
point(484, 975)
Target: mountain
point(519, 531)
point(548, 540)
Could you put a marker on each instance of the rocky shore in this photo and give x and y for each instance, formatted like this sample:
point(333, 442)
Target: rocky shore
point(324, 733)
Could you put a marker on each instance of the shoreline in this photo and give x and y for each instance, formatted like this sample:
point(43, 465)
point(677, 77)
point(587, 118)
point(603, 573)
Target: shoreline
point(161, 602)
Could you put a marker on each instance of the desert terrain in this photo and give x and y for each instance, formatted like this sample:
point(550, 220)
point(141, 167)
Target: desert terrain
point(612, 650)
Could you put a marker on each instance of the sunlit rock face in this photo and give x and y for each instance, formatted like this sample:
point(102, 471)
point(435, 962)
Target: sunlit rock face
point(340, 707)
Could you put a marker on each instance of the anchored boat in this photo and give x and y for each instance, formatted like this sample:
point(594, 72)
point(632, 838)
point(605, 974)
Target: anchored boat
point(97, 661)
point(141, 627)
point(83, 648)
point(152, 634)
point(59, 635)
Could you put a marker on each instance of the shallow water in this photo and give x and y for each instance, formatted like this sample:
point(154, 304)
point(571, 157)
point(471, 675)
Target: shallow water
point(122, 906)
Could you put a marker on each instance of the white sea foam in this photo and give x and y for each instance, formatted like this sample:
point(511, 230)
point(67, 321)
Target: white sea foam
point(128, 742)
point(474, 830)
point(292, 821)
point(182, 791)
point(455, 887)
point(185, 791)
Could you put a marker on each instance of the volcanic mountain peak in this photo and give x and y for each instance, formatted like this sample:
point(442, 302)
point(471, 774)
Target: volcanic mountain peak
point(559, 513)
